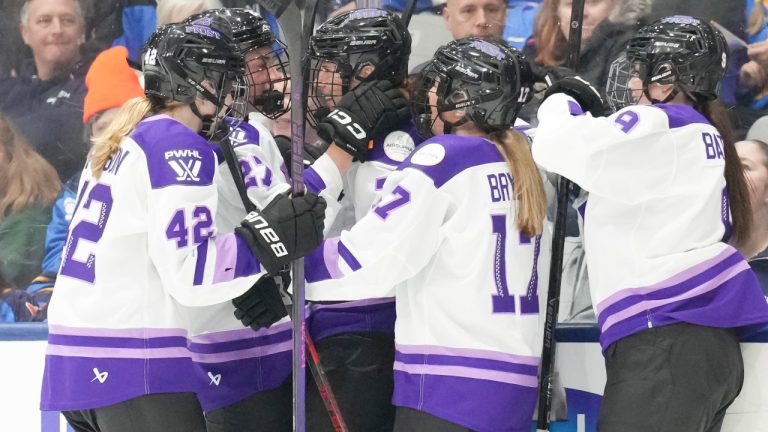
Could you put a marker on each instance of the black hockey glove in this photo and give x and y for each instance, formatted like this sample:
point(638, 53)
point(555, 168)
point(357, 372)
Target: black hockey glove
point(265, 303)
point(368, 112)
point(580, 89)
point(287, 228)
point(312, 152)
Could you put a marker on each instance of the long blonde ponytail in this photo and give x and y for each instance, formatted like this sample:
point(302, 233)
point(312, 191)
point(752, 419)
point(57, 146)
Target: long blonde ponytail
point(528, 186)
point(107, 144)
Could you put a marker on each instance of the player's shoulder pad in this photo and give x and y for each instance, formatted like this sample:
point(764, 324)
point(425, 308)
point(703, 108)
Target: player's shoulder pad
point(442, 158)
point(680, 115)
point(176, 155)
point(653, 118)
point(394, 148)
point(245, 133)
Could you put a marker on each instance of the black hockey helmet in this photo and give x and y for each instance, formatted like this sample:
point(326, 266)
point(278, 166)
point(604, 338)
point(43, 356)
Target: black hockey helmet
point(680, 50)
point(266, 59)
point(343, 47)
point(489, 80)
point(179, 58)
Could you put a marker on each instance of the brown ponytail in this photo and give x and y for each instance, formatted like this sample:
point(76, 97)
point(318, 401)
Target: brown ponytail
point(735, 180)
point(528, 187)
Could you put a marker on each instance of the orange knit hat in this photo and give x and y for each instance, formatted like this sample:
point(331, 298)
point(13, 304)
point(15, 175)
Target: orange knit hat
point(110, 81)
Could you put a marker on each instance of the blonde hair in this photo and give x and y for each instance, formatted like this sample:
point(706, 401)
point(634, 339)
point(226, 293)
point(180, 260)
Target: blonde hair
point(107, 144)
point(26, 177)
point(528, 186)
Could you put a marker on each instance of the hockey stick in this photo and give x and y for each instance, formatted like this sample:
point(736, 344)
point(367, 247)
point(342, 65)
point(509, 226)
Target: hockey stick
point(410, 6)
point(558, 241)
point(296, 19)
point(321, 379)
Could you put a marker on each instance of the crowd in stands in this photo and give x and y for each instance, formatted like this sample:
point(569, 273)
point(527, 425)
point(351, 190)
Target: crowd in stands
point(66, 65)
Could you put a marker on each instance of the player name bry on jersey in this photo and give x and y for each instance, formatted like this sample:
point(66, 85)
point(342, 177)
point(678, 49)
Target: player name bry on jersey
point(500, 186)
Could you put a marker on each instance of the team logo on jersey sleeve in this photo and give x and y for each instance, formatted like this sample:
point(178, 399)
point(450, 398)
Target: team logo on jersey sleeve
point(429, 155)
point(398, 145)
point(186, 163)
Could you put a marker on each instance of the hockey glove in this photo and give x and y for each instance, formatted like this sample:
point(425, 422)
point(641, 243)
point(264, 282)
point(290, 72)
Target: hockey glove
point(368, 112)
point(287, 228)
point(581, 90)
point(265, 303)
point(312, 152)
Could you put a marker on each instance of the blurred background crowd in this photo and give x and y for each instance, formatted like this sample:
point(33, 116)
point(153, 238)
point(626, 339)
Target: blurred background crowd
point(66, 66)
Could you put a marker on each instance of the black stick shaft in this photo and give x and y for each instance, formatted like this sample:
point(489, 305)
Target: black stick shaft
point(558, 241)
point(410, 6)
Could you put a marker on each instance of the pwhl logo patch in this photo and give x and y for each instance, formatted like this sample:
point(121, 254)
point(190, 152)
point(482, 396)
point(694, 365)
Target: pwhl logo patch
point(185, 163)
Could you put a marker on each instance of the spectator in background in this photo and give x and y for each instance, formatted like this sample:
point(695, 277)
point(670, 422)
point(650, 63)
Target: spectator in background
point(608, 24)
point(128, 23)
point(28, 186)
point(44, 102)
point(754, 159)
point(479, 18)
point(111, 82)
point(12, 49)
point(171, 11)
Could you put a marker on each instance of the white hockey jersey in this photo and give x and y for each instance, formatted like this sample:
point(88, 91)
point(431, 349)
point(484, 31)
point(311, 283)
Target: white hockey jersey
point(657, 217)
point(142, 249)
point(233, 361)
point(468, 331)
point(362, 185)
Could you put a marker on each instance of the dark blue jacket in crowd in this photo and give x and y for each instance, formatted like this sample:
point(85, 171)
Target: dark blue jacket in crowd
point(49, 114)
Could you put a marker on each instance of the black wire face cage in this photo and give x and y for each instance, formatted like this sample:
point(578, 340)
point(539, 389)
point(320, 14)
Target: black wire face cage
point(268, 77)
point(229, 94)
point(329, 79)
point(617, 90)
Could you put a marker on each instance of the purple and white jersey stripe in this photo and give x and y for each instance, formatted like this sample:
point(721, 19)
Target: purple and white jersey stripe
point(234, 364)
point(92, 367)
point(657, 217)
point(498, 390)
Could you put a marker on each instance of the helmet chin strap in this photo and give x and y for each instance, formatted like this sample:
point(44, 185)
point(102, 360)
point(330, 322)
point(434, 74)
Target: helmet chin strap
point(667, 99)
point(209, 122)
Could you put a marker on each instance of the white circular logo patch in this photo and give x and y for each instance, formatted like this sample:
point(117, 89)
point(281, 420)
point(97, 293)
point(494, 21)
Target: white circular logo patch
point(398, 145)
point(429, 155)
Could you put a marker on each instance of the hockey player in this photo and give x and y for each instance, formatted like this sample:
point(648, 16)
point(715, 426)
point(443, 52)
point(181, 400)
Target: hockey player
point(249, 374)
point(666, 196)
point(143, 248)
point(467, 327)
point(355, 52)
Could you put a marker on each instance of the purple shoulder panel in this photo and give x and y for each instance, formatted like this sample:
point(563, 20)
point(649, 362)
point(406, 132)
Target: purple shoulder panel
point(460, 153)
point(680, 115)
point(176, 155)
